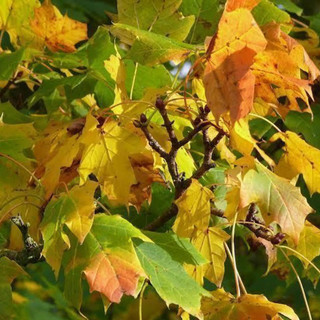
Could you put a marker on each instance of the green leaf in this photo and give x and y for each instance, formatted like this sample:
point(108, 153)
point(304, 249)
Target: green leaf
point(11, 115)
point(302, 122)
point(16, 138)
point(9, 270)
point(315, 22)
point(180, 249)
point(289, 6)
point(169, 278)
point(149, 48)
point(146, 77)
point(160, 17)
point(266, 12)
point(207, 15)
point(9, 63)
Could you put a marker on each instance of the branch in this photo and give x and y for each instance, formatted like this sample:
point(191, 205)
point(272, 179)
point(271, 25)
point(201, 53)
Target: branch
point(201, 124)
point(32, 250)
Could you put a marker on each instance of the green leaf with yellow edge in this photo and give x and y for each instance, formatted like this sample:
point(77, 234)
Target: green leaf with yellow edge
point(309, 244)
point(75, 210)
point(193, 210)
point(15, 17)
point(289, 6)
point(210, 244)
point(169, 278)
point(305, 123)
point(207, 14)
point(107, 258)
point(299, 158)
point(224, 306)
point(278, 200)
point(266, 12)
point(180, 249)
point(150, 48)
point(9, 270)
point(10, 62)
point(161, 17)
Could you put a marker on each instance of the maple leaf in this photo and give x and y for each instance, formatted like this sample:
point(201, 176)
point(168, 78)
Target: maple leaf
point(308, 245)
point(278, 200)
point(162, 17)
point(223, 306)
point(150, 48)
point(145, 174)
point(57, 32)
point(299, 157)
point(193, 210)
point(107, 157)
point(107, 258)
point(235, 4)
point(169, 278)
point(228, 87)
point(210, 244)
point(15, 16)
point(75, 210)
point(56, 149)
point(242, 141)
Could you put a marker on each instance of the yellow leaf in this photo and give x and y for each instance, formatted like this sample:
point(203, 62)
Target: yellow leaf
point(223, 306)
point(117, 71)
point(299, 158)
point(242, 141)
point(108, 159)
point(194, 210)
point(56, 31)
point(210, 243)
point(57, 149)
point(308, 244)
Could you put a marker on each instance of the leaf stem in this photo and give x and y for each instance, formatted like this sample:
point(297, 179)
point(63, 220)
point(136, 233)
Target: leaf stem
point(141, 299)
point(302, 256)
point(233, 250)
point(235, 269)
point(300, 284)
point(266, 120)
point(134, 79)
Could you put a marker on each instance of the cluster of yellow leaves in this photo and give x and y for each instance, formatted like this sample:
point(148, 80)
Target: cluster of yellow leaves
point(247, 63)
point(194, 211)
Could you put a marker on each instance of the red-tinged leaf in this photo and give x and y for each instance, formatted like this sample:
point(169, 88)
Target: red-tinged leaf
point(227, 78)
point(112, 276)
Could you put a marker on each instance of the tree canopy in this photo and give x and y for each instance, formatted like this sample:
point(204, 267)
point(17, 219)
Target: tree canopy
point(159, 159)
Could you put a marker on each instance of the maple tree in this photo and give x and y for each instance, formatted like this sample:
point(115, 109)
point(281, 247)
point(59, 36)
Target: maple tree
point(134, 188)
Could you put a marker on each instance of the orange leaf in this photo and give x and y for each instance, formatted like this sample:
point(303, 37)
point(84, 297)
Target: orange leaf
point(235, 4)
point(228, 81)
point(56, 31)
point(112, 276)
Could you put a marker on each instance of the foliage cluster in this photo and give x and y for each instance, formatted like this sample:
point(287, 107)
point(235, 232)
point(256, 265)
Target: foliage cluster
point(158, 191)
